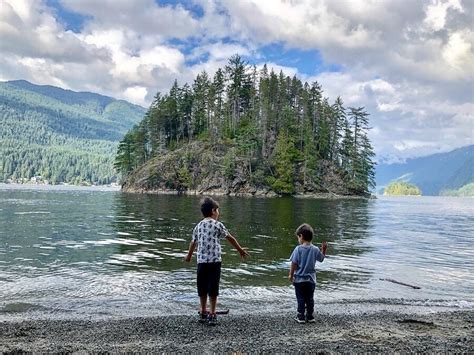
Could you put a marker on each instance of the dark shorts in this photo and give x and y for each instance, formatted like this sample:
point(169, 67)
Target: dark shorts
point(208, 277)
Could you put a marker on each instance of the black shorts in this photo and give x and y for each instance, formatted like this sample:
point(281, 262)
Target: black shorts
point(208, 277)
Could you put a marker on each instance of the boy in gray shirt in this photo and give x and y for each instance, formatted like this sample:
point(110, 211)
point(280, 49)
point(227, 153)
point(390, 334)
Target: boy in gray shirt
point(303, 273)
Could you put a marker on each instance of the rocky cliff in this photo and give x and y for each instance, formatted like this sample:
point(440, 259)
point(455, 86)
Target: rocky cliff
point(205, 168)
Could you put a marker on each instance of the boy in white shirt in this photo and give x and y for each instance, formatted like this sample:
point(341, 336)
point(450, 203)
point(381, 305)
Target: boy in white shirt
point(206, 237)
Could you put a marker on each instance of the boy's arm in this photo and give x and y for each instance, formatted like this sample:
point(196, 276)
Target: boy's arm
point(243, 253)
point(192, 246)
point(322, 252)
point(324, 246)
point(293, 267)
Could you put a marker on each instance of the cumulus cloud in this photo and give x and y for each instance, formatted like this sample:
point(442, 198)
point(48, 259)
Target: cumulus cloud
point(436, 12)
point(27, 29)
point(407, 119)
point(390, 37)
point(410, 63)
point(143, 17)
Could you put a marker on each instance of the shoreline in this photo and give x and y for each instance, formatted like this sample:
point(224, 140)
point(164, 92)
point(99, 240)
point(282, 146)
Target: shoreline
point(217, 192)
point(256, 194)
point(332, 333)
point(59, 187)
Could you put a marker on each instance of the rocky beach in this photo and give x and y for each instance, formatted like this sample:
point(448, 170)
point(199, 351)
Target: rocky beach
point(382, 332)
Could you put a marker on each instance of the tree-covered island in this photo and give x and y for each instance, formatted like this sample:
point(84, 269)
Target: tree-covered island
point(248, 131)
point(401, 188)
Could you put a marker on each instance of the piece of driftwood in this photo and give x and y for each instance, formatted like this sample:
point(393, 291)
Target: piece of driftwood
point(401, 283)
point(416, 321)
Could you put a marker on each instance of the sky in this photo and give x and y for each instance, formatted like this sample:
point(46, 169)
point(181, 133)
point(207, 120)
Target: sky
point(410, 63)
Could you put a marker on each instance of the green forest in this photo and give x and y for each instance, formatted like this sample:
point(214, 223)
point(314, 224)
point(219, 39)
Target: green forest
point(268, 130)
point(58, 136)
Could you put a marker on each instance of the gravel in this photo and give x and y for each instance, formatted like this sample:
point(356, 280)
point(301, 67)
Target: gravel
point(263, 333)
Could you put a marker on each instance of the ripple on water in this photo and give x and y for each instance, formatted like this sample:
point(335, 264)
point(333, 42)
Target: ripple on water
point(161, 240)
point(32, 212)
point(141, 272)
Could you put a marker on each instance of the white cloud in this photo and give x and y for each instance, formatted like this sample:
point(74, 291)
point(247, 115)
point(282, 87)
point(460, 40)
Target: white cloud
point(28, 29)
point(304, 23)
point(387, 36)
point(408, 118)
point(410, 63)
point(143, 17)
point(436, 13)
point(136, 94)
point(458, 52)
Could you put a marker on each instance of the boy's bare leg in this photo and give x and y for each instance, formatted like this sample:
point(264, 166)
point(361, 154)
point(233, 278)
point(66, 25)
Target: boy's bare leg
point(213, 301)
point(203, 300)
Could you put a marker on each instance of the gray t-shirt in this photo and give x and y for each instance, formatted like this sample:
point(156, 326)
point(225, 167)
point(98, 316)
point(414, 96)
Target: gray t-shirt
point(306, 256)
point(207, 235)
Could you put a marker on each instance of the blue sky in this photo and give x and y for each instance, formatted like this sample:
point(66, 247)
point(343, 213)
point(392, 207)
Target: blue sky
point(409, 62)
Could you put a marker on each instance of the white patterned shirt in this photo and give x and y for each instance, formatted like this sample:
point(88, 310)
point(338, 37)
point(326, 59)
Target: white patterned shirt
point(207, 235)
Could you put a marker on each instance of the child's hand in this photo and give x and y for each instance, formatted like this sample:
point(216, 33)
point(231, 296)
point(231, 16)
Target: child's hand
point(291, 278)
point(324, 247)
point(187, 258)
point(244, 254)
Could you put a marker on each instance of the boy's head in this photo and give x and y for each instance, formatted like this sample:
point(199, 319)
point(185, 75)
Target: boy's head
point(305, 231)
point(209, 207)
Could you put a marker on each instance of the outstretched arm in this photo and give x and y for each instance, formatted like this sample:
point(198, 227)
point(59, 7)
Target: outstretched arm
point(192, 246)
point(243, 253)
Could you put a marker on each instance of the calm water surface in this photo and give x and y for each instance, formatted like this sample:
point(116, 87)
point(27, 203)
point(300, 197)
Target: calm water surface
point(88, 253)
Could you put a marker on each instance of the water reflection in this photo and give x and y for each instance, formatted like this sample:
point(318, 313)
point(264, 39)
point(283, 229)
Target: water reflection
point(93, 252)
point(153, 232)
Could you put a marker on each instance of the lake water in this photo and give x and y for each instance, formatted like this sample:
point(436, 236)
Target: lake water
point(68, 253)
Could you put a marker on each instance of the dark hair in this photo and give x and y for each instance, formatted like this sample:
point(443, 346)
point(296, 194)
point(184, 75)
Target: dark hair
point(207, 206)
point(306, 231)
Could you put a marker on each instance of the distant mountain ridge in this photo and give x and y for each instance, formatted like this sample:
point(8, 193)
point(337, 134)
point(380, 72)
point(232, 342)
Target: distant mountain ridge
point(433, 173)
point(60, 135)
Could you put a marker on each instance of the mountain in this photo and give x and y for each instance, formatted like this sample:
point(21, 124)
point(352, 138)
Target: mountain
point(60, 135)
point(433, 173)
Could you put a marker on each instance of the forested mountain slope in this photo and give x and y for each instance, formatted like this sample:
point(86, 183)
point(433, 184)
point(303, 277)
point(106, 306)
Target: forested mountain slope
point(248, 131)
point(60, 135)
point(433, 173)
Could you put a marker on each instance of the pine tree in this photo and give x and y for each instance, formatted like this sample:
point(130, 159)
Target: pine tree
point(278, 131)
point(200, 110)
point(337, 120)
point(363, 167)
point(236, 72)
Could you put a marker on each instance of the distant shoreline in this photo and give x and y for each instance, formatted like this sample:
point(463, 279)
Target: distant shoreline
point(47, 187)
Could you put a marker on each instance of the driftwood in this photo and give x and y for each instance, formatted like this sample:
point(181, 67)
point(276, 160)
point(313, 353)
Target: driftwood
point(416, 321)
point(401, 283)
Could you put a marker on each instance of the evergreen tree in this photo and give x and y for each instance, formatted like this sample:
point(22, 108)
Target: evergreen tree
point(200, 108)
point(363, 167)
point(236, 72)
point(271, 125)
